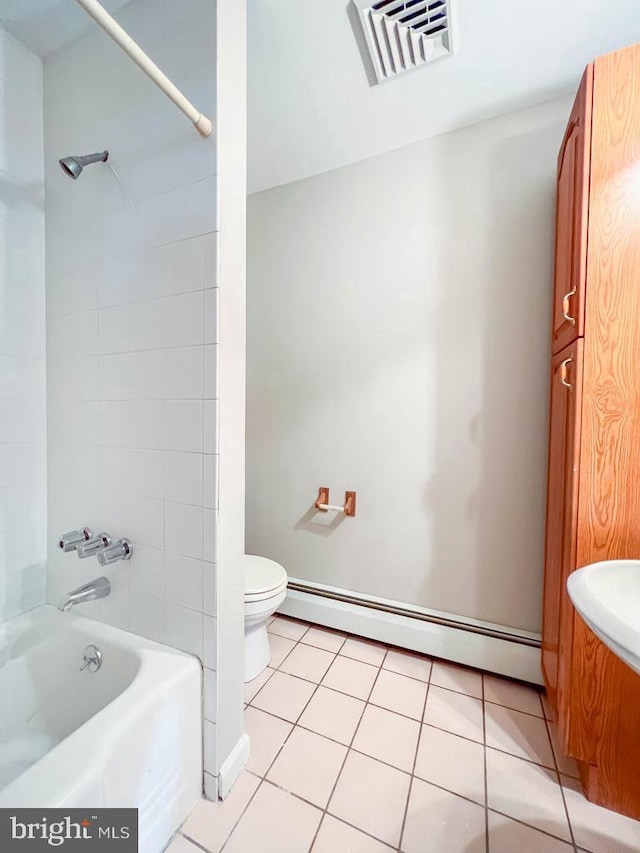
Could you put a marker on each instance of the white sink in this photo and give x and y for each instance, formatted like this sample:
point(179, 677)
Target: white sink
point(607, 596)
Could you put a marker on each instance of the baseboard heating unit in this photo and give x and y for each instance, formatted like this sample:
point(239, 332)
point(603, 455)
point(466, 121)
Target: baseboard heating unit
point(484, 645)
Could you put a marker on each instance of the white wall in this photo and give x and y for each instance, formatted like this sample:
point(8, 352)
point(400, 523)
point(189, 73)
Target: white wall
point(232, 204)
point(132, 328)
point(22, 332)
point(398, 318)
point(313, 108)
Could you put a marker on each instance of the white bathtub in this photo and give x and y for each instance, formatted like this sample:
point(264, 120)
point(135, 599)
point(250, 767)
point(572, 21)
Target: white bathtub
point(127, 735)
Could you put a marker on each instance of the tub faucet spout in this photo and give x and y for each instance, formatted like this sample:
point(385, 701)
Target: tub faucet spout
point(99, 588)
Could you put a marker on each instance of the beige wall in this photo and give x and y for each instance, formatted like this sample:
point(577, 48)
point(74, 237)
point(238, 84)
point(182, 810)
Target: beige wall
point(398, 316)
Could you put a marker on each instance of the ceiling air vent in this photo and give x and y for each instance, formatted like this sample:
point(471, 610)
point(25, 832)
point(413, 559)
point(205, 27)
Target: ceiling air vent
point(405, 34)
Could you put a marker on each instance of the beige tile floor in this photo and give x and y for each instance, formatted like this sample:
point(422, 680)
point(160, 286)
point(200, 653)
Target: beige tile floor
point(359, 748)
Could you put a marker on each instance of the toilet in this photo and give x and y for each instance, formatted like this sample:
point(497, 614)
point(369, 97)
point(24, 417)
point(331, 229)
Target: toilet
point(265, 588)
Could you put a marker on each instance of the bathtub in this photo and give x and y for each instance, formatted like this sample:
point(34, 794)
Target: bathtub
point(126, 735)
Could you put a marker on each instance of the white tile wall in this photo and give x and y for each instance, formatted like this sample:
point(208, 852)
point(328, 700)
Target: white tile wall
point(132, 327)
point(22, 333)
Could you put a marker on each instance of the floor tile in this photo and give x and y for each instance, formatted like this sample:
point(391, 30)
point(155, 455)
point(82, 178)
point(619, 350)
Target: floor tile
point(388, 737)
point(566, 764)
point(451, 762)
point(508, 836)
point(285, 696)
point(527, 792)
point(280, 648)
point(520, 734)
point(546, 707)
point(408, 663)
point(288, 628)
point(399, 693)
point(281, 822)
point(307, 662)
point(454, 712)
point(182, 845)
point(267, 734)
point(457, 678)
point(596, 829)
point(308, 765)
point(324, 638)
point(252, 687)
point(350, 676)
point(372, 797)
point(366, 651)
point(442, 822)
point(511, 694)
point(210, 823)
point(337, 837)
point(332, 714)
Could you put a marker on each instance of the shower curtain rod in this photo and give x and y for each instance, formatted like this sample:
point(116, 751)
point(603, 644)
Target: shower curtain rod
point(203, 125)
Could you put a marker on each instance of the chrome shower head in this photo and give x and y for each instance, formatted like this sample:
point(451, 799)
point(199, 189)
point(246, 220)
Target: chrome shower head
point(73, 166)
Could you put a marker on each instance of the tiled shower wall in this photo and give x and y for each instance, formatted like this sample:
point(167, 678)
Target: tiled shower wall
point(22, 332)
point(132, 327)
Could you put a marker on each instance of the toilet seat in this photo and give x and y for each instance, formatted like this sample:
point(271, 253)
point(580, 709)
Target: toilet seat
point(263, 578)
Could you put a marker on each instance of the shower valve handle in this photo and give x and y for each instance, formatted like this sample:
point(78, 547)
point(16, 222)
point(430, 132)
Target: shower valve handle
point(93, 546)
point(120, 550)
point(70, 541)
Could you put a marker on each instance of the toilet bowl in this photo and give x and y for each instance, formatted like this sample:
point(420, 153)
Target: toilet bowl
point(265, 588)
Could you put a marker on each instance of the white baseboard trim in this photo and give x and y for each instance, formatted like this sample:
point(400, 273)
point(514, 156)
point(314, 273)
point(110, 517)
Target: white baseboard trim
point(501, 655)
point(233, 766)
point(210, 787)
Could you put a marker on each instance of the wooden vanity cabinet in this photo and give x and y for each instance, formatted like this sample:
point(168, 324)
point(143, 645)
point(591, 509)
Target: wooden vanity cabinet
point(562, 509)
point(572, 207)
point(593, 504)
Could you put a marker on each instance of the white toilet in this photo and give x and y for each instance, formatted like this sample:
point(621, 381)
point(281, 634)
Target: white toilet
point(265, 588)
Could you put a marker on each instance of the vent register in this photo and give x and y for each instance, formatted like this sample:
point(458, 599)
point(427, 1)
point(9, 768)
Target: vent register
point(405, 34)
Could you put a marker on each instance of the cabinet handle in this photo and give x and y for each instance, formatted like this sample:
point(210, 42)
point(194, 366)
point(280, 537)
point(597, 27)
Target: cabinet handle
point(563, 373)
point(565, 307)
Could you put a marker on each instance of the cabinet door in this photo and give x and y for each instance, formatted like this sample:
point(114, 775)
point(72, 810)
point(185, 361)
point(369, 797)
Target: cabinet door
point(562, 516)
point(572, 206)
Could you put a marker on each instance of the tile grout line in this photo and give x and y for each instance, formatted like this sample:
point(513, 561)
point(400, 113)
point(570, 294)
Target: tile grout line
point(421, 722)
point(348, 636)
point(415, 761)
point(404, 675)
point(264, 779)
point(246, 704)
point(432, 784)
point(484, 755)
point(240, 816)
point(373, 666)
point(277, 669)
point(348, 751)
point(559, 779)
point(190, 840)
point(534, 827)
point(325, 813)
point(404, 717)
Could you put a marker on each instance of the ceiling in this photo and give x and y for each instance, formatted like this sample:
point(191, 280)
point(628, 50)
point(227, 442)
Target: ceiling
point(312, 107)
point(44, 26)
